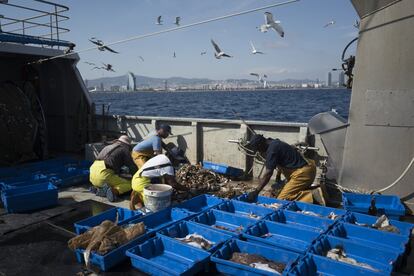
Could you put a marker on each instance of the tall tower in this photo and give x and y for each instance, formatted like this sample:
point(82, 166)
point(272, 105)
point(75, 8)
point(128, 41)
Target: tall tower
point(329, 80)
point(131, 86)
point(341, 79)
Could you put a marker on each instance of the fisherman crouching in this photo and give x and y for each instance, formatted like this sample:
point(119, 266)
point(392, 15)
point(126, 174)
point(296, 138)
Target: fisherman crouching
point(156, 167)
point(298, 171)
point(104, 172)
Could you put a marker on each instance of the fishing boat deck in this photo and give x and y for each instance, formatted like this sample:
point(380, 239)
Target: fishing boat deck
point(37, 242)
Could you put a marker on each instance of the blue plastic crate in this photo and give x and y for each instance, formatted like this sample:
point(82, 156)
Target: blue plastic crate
point(388, 205)
point(379, 259)
point(280, 235)
point(221, 257)
point(200, 203)
point(370, 237)
point(222, 168)
point(161, 219)
point(266, 201)
point(165, 256)
point(305, 222)
point(185, 228)
point(314, 265)
point(244, 209)
point(405, 228)
point(29, 198)
point(124, 215)
point(317, 210)
point(114, 257)
point(233, 224)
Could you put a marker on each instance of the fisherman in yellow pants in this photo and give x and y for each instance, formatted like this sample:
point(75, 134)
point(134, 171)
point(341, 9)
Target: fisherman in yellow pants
point(150, 146)
point(299, 172)
point(158, 166)
point(104, 172)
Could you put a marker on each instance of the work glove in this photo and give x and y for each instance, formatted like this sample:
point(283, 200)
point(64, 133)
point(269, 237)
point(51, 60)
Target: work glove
point(252, 196)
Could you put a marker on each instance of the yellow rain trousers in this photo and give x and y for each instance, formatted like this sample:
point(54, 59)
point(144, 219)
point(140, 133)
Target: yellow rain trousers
point(298, 183)
point(140, 157)
point(139, 183)
point(99, 175)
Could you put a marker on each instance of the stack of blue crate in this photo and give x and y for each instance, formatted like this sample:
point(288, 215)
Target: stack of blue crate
point(295, 234)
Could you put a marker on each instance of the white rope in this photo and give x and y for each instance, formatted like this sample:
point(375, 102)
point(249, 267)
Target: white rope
point(168, 30)
point(398, 179)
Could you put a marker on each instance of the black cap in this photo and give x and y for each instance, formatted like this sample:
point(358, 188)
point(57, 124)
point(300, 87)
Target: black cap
point(166, 128)
point(256, 141)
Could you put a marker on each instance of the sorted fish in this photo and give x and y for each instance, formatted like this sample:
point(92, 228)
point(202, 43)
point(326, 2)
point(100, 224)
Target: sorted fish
point(197, 241)
point(105, 237)
point(338, 254)
point(309, 213)
point(332, 216)
point(253, 215)
point(271, 206)
point(238, 229)
point(383, 224)
point(257, 261)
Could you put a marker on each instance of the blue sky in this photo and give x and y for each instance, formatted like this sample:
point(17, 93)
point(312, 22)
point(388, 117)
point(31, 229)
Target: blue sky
point(307, 51)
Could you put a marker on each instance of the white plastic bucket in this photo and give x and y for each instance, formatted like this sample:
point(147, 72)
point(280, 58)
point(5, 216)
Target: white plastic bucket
point(157, 196)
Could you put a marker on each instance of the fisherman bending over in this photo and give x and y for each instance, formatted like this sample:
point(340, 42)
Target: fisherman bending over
point(158, 166)
point(150, 146)
point(298, 171)
point(104, 172)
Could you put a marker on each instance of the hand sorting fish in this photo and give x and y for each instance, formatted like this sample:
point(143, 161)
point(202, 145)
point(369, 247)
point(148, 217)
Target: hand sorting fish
point(197, 241)
point(258, 262)
point(338, 254)
point(383, 224)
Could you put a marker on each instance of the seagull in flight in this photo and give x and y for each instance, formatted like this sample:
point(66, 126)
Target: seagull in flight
point(260, 78)
point(254, 51)
point(203, 53)
point(356, 24)
point(107, 67)
point(159, 20)
point(90, 63)
point(270, 23)
point(141, 58)
point(174, 56)
point(218, 53)
point(332, 22)
point(101, 45)
point(177, 20)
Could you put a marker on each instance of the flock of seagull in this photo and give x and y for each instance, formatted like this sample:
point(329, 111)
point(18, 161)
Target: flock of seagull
point(270, 24)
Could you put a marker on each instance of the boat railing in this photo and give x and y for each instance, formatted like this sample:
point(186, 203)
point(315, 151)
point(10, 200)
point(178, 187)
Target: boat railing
point(37, 23)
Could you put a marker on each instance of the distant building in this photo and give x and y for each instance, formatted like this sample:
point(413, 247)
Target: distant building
point(329, 80)
point(101, 87)
point(132, 85)
point(115, 88)
point(341, 79)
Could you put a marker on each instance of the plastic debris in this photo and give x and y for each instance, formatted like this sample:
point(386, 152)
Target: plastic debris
point(197, 241)
point(258, 262)
point(105, 237)
point(338, 254)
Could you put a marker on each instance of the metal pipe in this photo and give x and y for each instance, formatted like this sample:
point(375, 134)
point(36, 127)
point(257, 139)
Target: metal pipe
point(36, 25)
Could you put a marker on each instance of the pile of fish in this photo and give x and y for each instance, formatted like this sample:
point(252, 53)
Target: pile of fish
point(331, 215)
point(105, 237)
point(197, 241)
point(383, 224)
point(202, 181)
point(273, 206)
point(338, 254)
point(258, 262)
